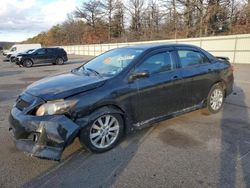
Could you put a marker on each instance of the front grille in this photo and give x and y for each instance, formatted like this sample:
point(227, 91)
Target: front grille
point(22, 104)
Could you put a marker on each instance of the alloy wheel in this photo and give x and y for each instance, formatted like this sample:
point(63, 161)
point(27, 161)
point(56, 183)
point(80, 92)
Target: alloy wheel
point(104, 131)
point(216, 99)
point(59, 61)
point(28, 63)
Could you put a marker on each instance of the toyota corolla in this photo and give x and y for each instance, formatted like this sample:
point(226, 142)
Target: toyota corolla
point(122, 90)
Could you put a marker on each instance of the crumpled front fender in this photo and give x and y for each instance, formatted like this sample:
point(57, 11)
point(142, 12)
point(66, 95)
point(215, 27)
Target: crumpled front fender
point(44, 136)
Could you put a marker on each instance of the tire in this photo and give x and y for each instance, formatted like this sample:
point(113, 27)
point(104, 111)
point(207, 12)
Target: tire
point(12, 60)
point(215, 100)
point(97, 136)
point(59, 61)
point(27, 63)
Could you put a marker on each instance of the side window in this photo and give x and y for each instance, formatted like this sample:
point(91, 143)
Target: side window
point(51, 51)
point(41, 51)
point(190, 58)
point(157, 63)
point(13, 49)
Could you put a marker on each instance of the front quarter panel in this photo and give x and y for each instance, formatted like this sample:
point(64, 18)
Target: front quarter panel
point(115, 93)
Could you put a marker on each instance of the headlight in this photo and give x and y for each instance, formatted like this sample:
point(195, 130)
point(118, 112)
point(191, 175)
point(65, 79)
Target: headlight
point(55, 107)
point(19, 58)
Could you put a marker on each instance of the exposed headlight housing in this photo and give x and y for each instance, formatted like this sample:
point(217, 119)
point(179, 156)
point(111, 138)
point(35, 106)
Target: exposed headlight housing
point(55, 107)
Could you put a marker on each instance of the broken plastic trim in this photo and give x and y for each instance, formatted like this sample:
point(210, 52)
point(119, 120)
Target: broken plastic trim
point(53, 134)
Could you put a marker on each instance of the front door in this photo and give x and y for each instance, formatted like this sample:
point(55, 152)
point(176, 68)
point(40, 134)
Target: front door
point(161, 92)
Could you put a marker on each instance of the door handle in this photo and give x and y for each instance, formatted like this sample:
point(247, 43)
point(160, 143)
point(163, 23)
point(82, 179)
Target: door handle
point(175, 77)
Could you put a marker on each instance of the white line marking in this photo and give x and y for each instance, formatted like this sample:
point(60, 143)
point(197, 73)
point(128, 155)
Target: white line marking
point(241, 157)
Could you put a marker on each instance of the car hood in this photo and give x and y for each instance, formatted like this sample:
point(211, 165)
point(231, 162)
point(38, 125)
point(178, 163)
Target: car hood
point(64, 85)
point(21, 54)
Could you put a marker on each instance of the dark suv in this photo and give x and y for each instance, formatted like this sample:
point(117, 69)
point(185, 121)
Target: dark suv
point(55, 56)
point(121, 90)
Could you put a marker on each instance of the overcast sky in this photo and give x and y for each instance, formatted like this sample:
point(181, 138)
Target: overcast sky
point(21, 19)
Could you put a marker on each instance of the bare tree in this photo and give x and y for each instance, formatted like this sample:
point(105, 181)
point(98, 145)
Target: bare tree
point(136, 8)
point(200, 8)
point(109, 6)
point(103, 21)
point(248, 12)
point(118, 20)
point(152, 17)
point(188, 11)
point(171, 14)
point(91, 11)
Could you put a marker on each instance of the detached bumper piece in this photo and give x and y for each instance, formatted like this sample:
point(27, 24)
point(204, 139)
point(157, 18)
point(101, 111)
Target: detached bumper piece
point(42, 136)
point(17, 61)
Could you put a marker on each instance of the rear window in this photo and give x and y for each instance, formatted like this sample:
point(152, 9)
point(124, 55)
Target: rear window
point(60, 50)
point(191, 58)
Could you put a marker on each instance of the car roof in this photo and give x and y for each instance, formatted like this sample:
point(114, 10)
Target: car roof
point(159, 45)
point(55, 48)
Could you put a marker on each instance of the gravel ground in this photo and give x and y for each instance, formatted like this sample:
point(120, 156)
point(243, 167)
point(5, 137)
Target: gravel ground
point(191, 150)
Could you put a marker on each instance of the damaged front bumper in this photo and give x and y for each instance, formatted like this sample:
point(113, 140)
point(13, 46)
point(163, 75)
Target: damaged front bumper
point(42, 136)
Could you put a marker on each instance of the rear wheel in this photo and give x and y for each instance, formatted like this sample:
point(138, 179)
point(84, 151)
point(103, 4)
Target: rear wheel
point(215, 99)
point(27, 63)
point(103, 133)
point(59, 61)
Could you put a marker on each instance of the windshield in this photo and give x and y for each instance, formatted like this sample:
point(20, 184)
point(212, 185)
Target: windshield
point(29, 51)
point(112, 62)
point(13, 49)
point(35, 50)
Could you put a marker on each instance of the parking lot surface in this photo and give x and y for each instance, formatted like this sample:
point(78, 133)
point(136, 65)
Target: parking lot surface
point(192, 150)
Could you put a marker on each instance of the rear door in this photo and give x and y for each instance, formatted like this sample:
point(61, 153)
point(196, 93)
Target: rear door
point(197, 72)
point(52, 54)
point(160, 93)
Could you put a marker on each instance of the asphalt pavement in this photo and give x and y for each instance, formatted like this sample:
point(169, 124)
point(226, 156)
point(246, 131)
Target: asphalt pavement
point(192, 150)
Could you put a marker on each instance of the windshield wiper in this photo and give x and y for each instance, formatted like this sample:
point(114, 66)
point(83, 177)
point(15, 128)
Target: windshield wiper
point(94, 71)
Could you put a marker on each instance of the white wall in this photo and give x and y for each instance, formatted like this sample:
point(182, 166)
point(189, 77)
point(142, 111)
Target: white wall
point(236, 47)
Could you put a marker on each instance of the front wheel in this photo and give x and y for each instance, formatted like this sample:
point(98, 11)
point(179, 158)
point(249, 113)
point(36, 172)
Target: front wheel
point(103, 133)
point(27, 63)
point(12, 59)
point(215, 99)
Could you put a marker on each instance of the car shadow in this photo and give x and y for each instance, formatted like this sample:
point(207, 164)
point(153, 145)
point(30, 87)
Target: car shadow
point(86, 169)
point(235, 142)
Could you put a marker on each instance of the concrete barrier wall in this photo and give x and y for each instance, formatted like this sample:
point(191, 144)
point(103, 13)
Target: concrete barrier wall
point(236, 47)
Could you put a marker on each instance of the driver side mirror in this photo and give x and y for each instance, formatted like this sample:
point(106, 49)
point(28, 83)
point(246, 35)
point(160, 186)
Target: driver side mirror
point(138, 75)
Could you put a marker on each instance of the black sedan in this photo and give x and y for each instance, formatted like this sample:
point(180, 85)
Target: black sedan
point(122, 90)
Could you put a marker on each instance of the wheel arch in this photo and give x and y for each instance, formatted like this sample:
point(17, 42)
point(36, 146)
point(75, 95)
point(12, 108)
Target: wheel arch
point(84, 132)
point(110, 108)
point(223, 84)
point(101, 110)
point(220, 82)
